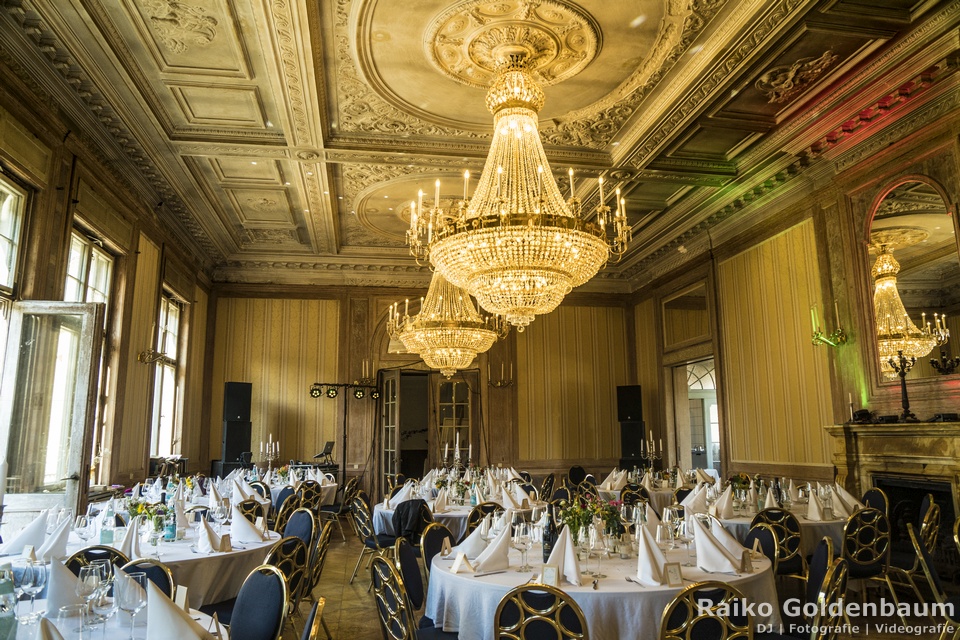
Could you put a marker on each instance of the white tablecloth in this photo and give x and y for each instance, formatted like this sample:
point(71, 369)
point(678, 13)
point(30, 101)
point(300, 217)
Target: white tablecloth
point(208, 578)
point(617, 609)
point(118, 627)
point(810, 532)
point(453, 518)
point(328, 493)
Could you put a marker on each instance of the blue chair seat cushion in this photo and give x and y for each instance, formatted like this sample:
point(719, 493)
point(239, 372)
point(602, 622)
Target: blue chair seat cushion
point(331, 508)
point(224, 610)
point(792, 566)
point(383, 539)
point(433, 633)
point(903, 559)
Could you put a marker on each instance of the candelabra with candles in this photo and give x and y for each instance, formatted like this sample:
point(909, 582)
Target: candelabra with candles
point(651, 455)
point(504, 380)
point(901, 366)
point(367, 378)
point(835, 338)
point(271, 454)
point(945, 366)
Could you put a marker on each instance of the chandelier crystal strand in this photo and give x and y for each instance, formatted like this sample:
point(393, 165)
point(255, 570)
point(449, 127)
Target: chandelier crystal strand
point(896, 332)
point(448, 332)
point(516, 245)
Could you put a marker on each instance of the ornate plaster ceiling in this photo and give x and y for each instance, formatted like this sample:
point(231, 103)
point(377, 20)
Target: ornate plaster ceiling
point(285, 138)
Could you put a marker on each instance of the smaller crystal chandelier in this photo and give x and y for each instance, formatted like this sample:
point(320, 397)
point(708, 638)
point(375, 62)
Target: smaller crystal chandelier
point(449, 332)
point(896, 332)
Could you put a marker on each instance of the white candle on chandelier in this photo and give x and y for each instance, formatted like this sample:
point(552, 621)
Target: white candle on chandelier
point(623, 207)
point(466, 183)
point(436, 195)
point(413, 215)
point(499, 174)
point(619, 203)
point(406, 307)
point(570, 173)
point(600, 182)
point(456, 442)
point(539, 181)
point(470, 453)
point(836, 311)
point(661, 445)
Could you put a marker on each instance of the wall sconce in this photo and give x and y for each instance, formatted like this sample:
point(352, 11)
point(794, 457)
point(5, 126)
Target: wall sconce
point(504, 381)
point(149, 356)
point(835, 338)
point(945, 366)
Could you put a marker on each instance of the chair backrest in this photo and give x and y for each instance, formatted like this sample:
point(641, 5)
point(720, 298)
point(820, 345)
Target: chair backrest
point(302, 524)
point(877, 499)
point(289, 555)
point(250, 509)
point(290, 505)
point(546, 487)
point(393, 605)
point(347, 491)
point(787, 528)
point(680, 494)
point(926, 563)
point(363, 495)
point(930, 525)
point(319, 557)
point(590, 479)
point(820, 563)
point(630, 497)
point(261, 605)
point(282, 496)
point(432, 541)
point(399, 479)
point(410, 518)
point(157, 573)
point(527, 478)
point(479, 512)
point(530, 490)
point(261, 488)
point(689, 616)
point(767, 539)
point(535, 611)
point(395, 490)
point(577, 474)
point(87, 555)
point(866, 543)
point(409, 567)
point(310, 493)
point(587, 489)
point(313, 624)
point(833, 588)
point(361, 519)
point(562, 493)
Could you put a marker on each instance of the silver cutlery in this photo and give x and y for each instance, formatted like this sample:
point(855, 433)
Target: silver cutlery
point(634, 581)
point(595, 584)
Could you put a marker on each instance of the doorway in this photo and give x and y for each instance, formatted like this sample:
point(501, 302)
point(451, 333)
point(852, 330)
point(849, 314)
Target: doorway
point(697, 416)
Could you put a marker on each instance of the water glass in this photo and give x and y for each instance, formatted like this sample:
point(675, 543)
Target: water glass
point(132, 594)
point(33, 580)
point(665, 535)
point(84, 527)
point(70, 612)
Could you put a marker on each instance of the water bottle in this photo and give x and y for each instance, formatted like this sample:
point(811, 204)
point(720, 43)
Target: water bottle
point(8, 604)
point(108, 524)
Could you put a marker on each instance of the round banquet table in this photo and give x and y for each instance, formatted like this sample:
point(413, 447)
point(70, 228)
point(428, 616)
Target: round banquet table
point(118, 626)
point(453, 518)
point(209, 578)
point(659, 498)
point(467, 604)
point(328, 493)
point(811, 532)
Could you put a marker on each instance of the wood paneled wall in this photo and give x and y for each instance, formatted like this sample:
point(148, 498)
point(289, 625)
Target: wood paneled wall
point(776, 383)
point(130, 445)
point(569, 364)
point(648, 371)
point(282, 346)
point(192, 432)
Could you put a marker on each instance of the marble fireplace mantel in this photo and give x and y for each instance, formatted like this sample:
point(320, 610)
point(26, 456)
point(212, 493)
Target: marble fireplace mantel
point(929, 450)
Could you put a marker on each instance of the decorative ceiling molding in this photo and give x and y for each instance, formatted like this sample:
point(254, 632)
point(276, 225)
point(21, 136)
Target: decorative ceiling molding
point(782, 84)
point(181, 25)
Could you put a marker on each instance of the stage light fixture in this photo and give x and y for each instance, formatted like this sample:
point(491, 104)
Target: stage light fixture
point(332, 392)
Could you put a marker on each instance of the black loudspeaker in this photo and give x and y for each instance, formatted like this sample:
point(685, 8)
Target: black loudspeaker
point(236, 440)
point(629, 404)
point(631, 437)
point(236, 402)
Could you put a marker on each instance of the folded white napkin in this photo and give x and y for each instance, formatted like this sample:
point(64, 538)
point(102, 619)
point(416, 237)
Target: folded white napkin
point(478, 494)
point(653, 520)
point(619, 482)
point(647, 482)
point(440, 503)
point(61, 588)
point(135, 492)
point(181, 513)
point(814, 508)
point(840, 509)
point(239, 494)
point(473, 545)
point(519, 495)
point(711, 554)
point(241, 529)
point(207, 540)
point(494, 557)
point(166, 620)
point(564, 556)
point(794, 492)
point(130, 545)
point(725, 538)
point(849, 501)
point(178, 495)
point(485, 525)
point(55, 546)
point(47, 631)
point(650, 558)
point(703, 476)
point(696, 502)
point(405, 493)
point(678, 482)
point(771, 500)
point(611, 477)
point(507, 500)
point(724, 504)
point(752, 498)
point(214, 499)
point(32, 534)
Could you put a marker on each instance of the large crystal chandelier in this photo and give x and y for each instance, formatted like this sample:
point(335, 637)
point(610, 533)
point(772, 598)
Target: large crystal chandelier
point(449, 332)
point(516, 244)
point(896, 332)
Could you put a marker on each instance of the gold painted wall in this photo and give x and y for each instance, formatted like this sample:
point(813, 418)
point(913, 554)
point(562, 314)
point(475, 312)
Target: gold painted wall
point(776, 383)
point(130, 436)
point(569, 364)
point(648, 374)
point(192, 422)
point(282, 346)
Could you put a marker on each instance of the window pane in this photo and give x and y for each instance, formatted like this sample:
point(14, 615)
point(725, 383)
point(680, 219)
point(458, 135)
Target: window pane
point(11, 220)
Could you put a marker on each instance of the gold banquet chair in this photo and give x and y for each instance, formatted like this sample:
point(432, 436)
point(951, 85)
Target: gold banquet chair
point(866, 548)
point(936, 586)
point(533, 611)
point(396, 614)
point(251, 510)
point(685, 618)
point(905, 568)
point(289, 556)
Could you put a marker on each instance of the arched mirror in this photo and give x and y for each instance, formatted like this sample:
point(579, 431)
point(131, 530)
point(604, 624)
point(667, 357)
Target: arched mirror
point(915, 268)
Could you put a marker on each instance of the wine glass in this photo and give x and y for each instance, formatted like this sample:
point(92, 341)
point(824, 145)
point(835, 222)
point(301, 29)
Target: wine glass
point(105, 604)
point(132, 594)
point(599, 542)
point(83, 527)
point(583, 547)
point(33, 582)
point(522, 540)
point(665, 535)
point(88, 583)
